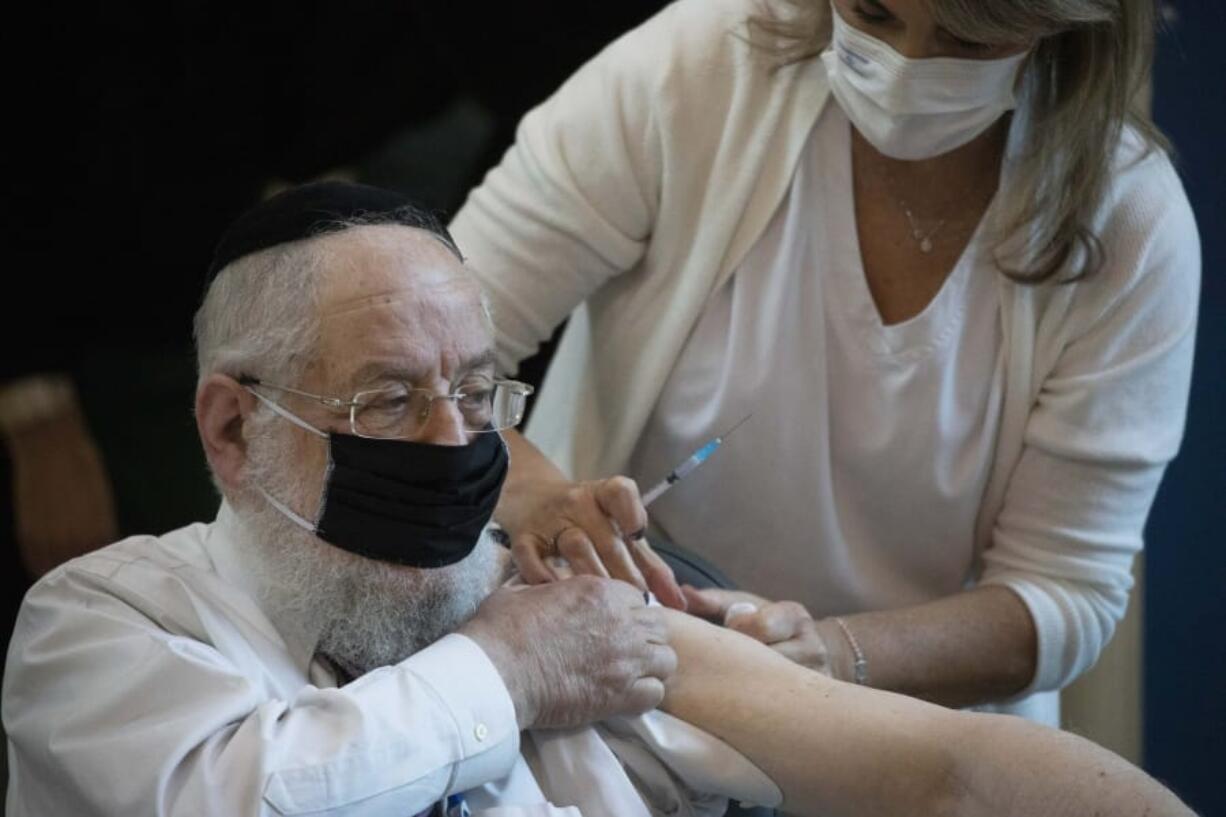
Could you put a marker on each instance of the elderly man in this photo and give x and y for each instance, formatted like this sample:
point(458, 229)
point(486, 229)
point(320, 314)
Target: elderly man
point(267, 662)
point(334, 643)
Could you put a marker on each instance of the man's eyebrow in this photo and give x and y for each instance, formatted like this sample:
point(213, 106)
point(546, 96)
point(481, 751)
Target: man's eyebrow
point(486, 358)
point(385, 370)
point(381, 370)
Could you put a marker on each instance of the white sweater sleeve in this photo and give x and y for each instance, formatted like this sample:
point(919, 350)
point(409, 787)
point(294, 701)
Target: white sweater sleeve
point(574, 199)
point(1107, 419)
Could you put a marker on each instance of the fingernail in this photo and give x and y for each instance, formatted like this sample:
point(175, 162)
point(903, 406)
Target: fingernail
point(740, 608)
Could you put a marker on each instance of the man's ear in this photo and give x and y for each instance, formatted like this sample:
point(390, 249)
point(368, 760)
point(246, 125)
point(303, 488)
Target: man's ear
point(222, 404)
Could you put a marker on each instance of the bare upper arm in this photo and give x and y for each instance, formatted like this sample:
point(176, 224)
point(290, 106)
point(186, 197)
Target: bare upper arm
point(838, 749)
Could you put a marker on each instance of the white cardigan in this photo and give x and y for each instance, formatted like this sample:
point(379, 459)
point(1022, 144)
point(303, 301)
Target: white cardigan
point(636, 190)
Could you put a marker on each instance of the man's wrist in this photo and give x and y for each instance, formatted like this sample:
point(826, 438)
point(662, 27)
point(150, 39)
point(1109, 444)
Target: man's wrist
point(510, 669)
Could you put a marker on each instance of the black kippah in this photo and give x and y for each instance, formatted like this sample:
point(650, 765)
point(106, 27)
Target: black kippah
point(314, 209)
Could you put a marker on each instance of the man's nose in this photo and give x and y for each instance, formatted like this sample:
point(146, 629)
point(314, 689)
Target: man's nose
point(444, 425)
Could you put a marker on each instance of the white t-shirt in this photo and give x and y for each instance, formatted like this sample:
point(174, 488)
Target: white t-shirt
point(857, 481)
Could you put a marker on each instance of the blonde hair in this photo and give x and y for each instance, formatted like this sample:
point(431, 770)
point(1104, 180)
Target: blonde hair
point(1083, 84)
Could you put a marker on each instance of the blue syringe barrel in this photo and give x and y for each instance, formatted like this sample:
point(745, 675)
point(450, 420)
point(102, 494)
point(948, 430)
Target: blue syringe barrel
point(681, 471)
point(696, 459)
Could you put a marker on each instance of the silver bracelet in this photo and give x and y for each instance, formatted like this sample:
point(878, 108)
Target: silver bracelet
point(860, 666)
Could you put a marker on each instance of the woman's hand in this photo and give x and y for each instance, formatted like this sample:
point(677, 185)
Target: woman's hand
point(596, 526)
point(784, 626)
point(592, 525)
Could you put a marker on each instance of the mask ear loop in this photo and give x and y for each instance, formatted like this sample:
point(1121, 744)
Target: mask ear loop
point(287, 414)
point(286, 511)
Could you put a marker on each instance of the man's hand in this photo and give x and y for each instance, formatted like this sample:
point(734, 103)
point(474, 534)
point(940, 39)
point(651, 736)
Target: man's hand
point(785, 626)
point(575, 651)
point(592, 525)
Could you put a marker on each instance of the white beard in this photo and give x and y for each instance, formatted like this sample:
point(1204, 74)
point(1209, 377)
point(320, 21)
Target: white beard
point(365, 613)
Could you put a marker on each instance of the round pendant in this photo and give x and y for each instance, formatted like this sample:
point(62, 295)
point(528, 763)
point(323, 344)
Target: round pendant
point(926, 245)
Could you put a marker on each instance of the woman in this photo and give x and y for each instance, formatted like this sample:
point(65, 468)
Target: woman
point(931, 250)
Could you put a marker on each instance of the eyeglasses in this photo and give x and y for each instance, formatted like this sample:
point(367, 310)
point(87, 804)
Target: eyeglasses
point(400, 411)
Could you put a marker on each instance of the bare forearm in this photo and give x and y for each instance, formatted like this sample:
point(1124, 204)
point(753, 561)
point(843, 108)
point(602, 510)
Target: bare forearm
point(965, 649)
point(832, 748)
point(842, 750)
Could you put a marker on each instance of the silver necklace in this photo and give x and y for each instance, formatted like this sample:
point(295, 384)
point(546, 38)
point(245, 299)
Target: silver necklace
point(924, 238)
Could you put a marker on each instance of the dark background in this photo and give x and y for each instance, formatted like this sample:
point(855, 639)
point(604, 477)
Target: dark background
point(137, 133)
point(1185, 560)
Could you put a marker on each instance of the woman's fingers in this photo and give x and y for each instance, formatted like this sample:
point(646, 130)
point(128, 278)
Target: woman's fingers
point(713, 603)
point(619, 501)
point(577, 549)
point(659, 576)
point(529, 551)
point(772, 623)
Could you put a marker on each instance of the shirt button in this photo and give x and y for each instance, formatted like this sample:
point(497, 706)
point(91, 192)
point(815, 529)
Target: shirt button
point(481, 732)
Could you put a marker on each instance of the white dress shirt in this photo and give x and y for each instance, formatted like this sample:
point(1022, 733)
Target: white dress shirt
point(143, 679)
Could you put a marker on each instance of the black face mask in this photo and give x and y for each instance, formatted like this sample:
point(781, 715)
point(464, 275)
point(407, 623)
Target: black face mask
point(409, 503)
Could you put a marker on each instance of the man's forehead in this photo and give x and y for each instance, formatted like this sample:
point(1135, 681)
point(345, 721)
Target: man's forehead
point(374, 260)
point(427, 296)
point(397, 303)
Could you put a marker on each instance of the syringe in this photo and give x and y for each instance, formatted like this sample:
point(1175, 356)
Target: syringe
point(686, 468)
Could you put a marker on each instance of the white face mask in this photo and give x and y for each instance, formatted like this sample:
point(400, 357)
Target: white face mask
point(915, 109)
